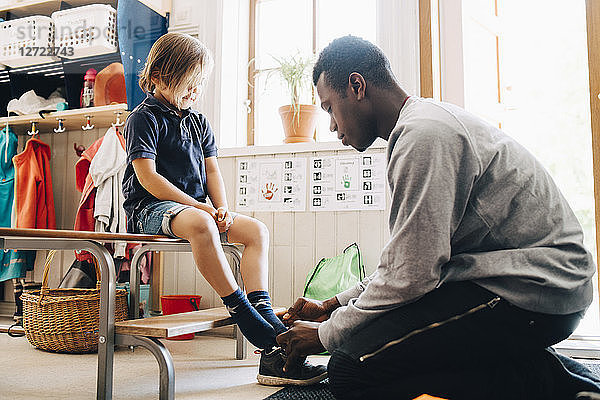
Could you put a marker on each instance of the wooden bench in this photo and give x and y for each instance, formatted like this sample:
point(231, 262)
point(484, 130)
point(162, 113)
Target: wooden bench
point(135, 332)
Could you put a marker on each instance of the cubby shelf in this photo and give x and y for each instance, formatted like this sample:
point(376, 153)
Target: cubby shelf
point(102, 116)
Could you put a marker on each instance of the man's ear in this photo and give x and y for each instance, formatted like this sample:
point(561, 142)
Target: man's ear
point(358, 85)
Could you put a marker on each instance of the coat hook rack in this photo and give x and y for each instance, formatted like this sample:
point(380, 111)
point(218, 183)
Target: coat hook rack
point(87, 126)
point(33, 130)
point(61, 126)
point(118, 122)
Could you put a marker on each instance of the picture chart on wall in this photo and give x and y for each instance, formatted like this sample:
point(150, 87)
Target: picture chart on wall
point(271, 184)
point(347, 182)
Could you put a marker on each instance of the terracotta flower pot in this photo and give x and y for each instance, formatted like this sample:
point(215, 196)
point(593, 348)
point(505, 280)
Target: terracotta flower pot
point(301, 129)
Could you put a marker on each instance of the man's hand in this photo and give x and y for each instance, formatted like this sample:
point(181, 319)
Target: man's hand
point(299, 341)
point(310, 310)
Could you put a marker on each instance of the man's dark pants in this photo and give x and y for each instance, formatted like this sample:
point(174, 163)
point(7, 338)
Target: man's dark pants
point(460, 341)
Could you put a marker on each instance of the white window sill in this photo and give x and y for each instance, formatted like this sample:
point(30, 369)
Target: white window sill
point(293, 148)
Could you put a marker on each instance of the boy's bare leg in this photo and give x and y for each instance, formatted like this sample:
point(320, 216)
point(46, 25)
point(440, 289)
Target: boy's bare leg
point(254, 235)
point(198, 227)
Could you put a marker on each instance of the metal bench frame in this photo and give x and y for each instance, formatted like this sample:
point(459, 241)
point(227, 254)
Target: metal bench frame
point(42, 239)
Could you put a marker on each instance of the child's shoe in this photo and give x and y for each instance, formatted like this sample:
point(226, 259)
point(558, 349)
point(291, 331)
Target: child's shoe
point(270, 370)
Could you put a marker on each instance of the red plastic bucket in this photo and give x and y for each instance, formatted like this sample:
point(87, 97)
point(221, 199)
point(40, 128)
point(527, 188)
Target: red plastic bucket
point(180, 303)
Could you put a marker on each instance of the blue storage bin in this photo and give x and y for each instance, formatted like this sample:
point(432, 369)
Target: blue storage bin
point(144, 298)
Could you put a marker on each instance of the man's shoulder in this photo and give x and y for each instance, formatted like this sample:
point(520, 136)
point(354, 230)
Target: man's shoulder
point(425, 129)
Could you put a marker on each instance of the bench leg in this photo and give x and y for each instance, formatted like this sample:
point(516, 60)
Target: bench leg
point(134, 283)
point(106, 323)
point(163, 357)
point(241, 346)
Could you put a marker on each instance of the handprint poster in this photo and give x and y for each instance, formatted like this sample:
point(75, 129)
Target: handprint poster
point(271, 184)
point(347, 182)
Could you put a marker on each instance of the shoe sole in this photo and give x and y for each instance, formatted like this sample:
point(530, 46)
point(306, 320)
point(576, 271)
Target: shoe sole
point(278, 381)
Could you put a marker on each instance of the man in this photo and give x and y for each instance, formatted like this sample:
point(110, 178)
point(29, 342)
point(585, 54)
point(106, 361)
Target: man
point(485, 266)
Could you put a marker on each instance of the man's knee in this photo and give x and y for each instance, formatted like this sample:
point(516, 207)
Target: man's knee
point(344, 374)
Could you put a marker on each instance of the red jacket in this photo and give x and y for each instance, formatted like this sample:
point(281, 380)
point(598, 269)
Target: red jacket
point(84, 220)
point(34, 201)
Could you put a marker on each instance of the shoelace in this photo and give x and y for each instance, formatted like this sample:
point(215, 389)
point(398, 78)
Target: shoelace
point(259, 351)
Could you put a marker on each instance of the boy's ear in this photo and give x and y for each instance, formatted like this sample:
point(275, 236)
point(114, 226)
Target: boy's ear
point(155, 77)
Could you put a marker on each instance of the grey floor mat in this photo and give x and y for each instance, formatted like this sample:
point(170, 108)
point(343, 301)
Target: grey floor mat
point(321, 390)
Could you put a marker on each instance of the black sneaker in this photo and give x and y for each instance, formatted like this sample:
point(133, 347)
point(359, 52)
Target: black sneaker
point(270, 371)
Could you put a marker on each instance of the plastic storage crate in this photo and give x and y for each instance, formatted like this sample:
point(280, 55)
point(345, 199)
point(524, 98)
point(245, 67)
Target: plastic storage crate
point(27, 41)
point(145, 298)
point(88, 30)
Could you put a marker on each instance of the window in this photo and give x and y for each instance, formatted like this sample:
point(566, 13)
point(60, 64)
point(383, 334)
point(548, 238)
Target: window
point(282, 28)
point(545, 90)
point(524, 67)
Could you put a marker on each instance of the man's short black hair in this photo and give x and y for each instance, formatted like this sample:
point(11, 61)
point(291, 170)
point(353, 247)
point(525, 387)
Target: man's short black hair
point(352, 54)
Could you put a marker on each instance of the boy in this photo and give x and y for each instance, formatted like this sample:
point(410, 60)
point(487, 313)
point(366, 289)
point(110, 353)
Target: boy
point(172, 169)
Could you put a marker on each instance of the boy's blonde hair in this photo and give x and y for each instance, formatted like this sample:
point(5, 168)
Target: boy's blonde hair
point(178, 61)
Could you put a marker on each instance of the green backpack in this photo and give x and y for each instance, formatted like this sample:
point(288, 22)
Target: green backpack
point(335, 274)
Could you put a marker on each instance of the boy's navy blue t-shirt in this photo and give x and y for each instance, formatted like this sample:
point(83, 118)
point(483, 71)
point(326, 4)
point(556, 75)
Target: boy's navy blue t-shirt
point(178, 145)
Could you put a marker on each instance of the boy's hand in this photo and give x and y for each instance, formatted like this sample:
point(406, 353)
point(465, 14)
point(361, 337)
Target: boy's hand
point(224, 219)
point(208, 209)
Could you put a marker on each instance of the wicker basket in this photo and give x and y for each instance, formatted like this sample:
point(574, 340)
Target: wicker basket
point(66, 320)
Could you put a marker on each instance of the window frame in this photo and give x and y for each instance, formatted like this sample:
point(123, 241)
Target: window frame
point(593, 37)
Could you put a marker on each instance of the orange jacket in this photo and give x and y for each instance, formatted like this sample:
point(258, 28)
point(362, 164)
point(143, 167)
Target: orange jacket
point(34, 201)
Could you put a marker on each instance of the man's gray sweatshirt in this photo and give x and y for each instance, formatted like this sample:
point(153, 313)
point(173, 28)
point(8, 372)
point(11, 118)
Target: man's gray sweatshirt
point(468, 203)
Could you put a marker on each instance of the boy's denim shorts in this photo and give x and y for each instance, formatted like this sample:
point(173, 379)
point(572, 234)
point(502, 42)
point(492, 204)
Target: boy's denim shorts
point(155, 218)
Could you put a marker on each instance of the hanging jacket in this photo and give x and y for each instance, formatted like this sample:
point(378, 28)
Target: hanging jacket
point(84, 219)
point(13, 263)
point(34, 201)
point(8, 148)
point(106, 170)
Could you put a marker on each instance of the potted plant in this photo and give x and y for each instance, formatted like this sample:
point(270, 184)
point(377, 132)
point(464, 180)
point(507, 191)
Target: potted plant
point(299, 120)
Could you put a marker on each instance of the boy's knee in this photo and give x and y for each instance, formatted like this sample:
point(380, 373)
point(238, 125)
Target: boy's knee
point(202, 224)
point(262, 232)
point(344, 373)
point(257, 233)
